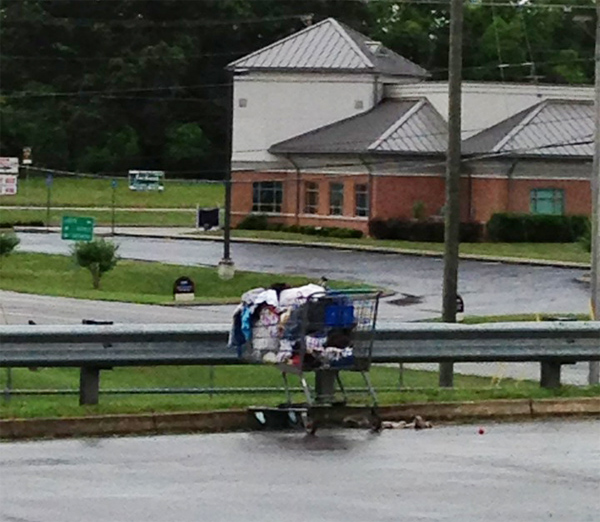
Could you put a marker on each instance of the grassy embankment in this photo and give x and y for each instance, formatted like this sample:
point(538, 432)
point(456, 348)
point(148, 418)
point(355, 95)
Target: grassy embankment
point(566, 252)
point(422, 387)
point(129, 281)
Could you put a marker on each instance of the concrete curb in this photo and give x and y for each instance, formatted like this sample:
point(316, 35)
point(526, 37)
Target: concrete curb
point(239, 420)
point(366, 248)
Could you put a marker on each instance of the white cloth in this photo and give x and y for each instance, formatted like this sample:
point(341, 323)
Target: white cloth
point(299, 294)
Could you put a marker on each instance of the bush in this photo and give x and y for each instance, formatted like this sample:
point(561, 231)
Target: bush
point(585, 239)
point(260, 222)
point(254, 222)
point(536, 228)
point(419, 210)
point(8, 242)
point(98, 256)
point(12, 224)
point(425, 231)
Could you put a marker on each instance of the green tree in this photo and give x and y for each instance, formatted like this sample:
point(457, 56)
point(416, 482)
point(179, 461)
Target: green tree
point(186, 142)
point(98, 256)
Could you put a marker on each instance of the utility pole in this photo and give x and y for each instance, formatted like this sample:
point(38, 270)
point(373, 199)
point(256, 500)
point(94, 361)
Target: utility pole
point(453, 156)
point(594, 370)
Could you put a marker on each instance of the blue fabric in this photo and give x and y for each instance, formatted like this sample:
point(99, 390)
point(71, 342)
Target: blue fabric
point(246, 323)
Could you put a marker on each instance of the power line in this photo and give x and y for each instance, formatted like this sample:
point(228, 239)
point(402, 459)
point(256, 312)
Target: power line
point(36, 94)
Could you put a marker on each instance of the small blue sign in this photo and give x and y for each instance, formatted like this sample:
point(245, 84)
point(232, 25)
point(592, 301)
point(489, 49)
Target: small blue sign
point(49, 180)
point(113, 183)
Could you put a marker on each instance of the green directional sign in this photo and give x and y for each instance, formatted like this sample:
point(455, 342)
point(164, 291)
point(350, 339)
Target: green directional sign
point(77, 228)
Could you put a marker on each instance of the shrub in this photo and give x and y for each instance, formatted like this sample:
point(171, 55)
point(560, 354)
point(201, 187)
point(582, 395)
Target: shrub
point(418, 210)
point(98, 256)
point(12, 224)
point(378, 228)
point(585, 240)
point(536, 228)
point(260, 222)
point(425, 231)
point(8, 242)
point(254, 222)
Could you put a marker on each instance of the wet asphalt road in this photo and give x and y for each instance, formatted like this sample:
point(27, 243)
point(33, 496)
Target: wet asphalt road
point(487, 288)
point(520, 472)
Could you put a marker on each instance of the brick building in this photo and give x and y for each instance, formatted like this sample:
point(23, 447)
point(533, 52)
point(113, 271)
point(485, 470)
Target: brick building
point(333, 129)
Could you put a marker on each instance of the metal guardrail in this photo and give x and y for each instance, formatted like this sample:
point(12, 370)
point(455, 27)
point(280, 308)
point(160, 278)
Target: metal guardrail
point(96, 347)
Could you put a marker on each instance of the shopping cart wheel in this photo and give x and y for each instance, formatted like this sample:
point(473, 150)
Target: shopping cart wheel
point(310, 425)
point(375, 421)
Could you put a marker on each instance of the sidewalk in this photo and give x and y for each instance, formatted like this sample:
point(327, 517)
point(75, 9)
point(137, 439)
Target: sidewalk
point(189, 233)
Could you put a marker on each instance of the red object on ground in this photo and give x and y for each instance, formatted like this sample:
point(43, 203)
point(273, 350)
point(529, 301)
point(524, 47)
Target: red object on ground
point(481, 431)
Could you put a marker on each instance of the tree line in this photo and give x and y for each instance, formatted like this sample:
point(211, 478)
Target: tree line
point(106, 86)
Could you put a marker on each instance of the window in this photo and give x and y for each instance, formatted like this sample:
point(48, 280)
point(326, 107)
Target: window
point(336, 199)
point(311, 198)
point(361, 200)
point(547, 201)
point(267, 196)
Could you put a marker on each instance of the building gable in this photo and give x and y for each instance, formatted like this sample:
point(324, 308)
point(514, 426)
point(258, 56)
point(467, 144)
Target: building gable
point(329, 46)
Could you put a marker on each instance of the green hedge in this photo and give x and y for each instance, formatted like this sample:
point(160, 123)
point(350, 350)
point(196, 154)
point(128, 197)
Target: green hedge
point(261, 222)
point(12, 224)
point(425, 231)
point(536, 228)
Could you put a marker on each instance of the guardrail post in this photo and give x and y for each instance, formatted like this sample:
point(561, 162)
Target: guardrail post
point(325, 386)
point(550, 374)
point(89, 385)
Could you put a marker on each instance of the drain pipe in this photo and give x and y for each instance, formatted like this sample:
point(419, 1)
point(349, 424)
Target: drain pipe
point(298, 183)
point(509, 175)
point(370, 189)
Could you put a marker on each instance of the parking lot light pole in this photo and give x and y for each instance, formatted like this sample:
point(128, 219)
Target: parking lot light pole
point(226, 267)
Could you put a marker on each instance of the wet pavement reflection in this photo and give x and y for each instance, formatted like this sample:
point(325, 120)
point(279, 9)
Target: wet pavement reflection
point(517, 472)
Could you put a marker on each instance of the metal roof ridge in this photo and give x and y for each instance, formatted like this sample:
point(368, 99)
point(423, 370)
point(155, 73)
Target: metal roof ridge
point(520, 126)
point(278, 43)
point(356, 48)
point(395, 126)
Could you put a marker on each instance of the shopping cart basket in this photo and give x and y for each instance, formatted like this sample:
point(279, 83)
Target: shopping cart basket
point(326, 333)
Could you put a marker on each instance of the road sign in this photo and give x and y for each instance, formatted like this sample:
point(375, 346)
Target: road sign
point(77, 228)
point(27, 156)
point(8, 184)
point(49, 180)
point(146, 180)
point(9, 165)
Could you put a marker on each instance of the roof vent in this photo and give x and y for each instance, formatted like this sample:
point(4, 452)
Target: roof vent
point(375, 47)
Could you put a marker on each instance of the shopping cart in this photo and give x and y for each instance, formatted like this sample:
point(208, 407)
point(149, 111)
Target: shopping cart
point(327, 333)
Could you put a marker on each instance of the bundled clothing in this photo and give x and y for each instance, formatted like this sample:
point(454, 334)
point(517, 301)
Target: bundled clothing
point(267, 327)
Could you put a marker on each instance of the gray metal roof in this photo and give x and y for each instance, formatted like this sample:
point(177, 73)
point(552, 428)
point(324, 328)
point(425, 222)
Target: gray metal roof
point(552, 128)
point(329, 46)
point(401, 126)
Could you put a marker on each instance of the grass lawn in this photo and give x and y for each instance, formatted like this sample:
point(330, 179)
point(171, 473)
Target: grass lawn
point(423, 384)
point(123, 218)
point(571, 252)
point(86, 192)
point(129, 281)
